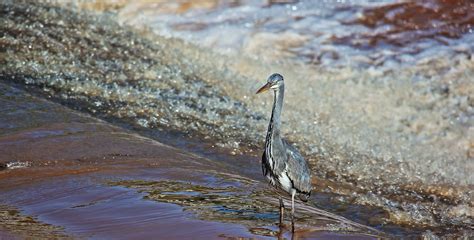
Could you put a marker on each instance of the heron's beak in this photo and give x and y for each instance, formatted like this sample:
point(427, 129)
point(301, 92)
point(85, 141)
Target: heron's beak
point(264, 88)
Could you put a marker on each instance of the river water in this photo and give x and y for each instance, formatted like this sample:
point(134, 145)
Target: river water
point(379, 95)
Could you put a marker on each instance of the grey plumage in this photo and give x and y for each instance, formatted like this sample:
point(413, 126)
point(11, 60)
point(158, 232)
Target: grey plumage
point(282, 164)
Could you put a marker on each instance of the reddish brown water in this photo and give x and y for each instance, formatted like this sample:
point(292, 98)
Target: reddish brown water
point(408, 23)
point(78, 176)
point(394, 138)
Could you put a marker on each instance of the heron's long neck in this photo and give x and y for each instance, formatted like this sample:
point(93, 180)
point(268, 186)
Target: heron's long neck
point(275, 121)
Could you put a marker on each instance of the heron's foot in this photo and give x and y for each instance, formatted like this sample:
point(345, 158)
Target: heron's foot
point(281, 225)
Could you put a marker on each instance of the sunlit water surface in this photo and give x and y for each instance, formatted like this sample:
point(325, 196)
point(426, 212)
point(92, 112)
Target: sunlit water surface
point(375, 96)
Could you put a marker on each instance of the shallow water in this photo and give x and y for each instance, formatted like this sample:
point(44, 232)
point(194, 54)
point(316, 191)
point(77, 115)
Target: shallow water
point(398, 131)
point(98, 182)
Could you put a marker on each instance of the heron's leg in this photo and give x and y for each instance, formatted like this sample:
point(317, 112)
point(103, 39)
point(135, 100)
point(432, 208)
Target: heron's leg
point(293, 211)
point(282, 210)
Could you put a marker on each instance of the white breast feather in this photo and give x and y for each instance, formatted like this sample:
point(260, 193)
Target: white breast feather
point(285, 182)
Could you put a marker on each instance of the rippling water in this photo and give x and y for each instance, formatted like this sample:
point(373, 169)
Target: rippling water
point(385, 80)
point(375, 96)
point(366, 34)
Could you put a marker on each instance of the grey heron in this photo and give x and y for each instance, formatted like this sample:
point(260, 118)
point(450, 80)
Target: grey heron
point(282, 164)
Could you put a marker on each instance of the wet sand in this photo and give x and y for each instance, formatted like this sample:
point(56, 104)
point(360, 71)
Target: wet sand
point(76, 176)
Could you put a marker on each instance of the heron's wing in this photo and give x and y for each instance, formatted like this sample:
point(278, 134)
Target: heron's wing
point(265, 164)
point(297, 169)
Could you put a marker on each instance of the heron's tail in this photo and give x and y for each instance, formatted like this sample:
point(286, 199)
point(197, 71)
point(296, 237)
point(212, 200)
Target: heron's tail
point(304, 196)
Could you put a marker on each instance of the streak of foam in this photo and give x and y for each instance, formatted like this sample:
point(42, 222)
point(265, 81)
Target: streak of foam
point(17, 165)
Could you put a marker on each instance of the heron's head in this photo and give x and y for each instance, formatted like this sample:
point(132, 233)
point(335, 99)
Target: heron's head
point(274, 82)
